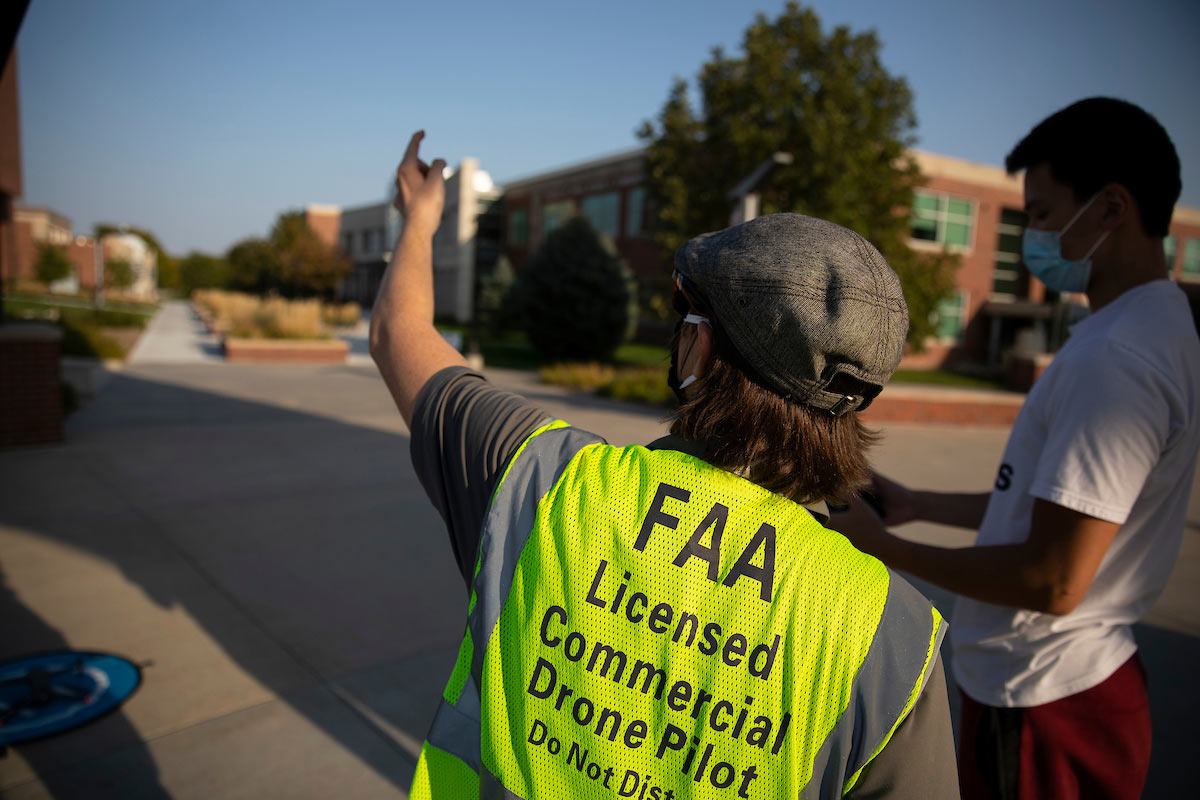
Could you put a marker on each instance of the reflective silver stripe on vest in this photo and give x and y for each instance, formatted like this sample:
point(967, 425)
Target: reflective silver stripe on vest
point(509, 522)
point(490, 788)
point(456, 733)
point(455, 730)
point(881, 688)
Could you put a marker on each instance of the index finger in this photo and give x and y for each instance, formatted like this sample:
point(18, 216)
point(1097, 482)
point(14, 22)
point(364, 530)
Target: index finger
point(414, 144)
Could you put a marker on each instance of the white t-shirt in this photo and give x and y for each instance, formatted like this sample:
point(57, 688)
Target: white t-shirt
point(1112, 430)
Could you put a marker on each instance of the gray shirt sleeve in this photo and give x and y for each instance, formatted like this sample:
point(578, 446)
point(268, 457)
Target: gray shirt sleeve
point(918, 762)
point(464, 431)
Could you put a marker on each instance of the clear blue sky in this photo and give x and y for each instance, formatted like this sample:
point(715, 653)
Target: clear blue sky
point(203, 119)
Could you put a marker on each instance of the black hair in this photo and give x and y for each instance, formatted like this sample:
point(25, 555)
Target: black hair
point(1102, 140)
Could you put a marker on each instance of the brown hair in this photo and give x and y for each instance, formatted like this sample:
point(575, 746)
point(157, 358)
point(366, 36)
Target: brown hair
point(800, 452)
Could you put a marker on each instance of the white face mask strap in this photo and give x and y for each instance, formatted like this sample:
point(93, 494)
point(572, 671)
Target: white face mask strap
point(1099, 242)
point(695, 319)
point(1079, 214)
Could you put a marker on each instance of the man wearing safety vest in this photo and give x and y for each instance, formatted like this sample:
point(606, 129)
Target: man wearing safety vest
point(671, 621)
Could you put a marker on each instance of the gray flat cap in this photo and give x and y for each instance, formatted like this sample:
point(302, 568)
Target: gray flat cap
point(803, 301)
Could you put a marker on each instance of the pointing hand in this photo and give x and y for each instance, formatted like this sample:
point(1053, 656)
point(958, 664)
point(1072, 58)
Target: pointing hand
point(420, 187)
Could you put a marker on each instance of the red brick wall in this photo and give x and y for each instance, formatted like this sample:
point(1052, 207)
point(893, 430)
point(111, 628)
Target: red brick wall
point(30, 395)
point(978, 263)
point(325, 224)
point(8, 238)
point(10, 129)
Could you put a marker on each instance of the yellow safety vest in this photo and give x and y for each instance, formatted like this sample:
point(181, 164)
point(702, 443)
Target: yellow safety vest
point(645, 625)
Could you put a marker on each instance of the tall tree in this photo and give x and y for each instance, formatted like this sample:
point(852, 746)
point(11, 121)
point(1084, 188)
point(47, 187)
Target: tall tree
point(579, 298)
point(202, 271)
point(307, 265)
point(52, 264)
point(253, 266)
point(827, 100)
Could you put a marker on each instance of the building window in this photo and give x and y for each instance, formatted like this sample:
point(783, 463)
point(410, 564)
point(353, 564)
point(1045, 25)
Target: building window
point(603, 211)
point(1006, 279)
point(366, 242)
point(554, 215)
point(1191, 259)
point(942, 218)
point(348, 243)
point(634, 210)
point(518, 227)
point(1170, 245)
point(951, 318)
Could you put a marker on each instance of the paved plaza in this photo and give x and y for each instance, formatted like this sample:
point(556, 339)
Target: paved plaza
point(255, 537)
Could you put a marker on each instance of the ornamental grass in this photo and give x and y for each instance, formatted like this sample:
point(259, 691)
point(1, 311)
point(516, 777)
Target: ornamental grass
point(248, 317)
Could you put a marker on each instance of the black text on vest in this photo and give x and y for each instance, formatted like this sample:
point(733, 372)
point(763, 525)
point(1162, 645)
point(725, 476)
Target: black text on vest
point(763, 539)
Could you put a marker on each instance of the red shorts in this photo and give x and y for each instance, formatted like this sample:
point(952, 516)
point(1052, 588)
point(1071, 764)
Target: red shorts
point(1095, 744)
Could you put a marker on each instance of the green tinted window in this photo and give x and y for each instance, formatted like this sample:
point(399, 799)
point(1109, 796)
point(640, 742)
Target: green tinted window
point(950, 317)
point(1007, 278)
point(634, 210)
point(518, 227)
point(941, 218)
point(603, 211)
point(924, 201)
point(1191, 258)
point(961, 208)
point(925, 229)
point(958, 234)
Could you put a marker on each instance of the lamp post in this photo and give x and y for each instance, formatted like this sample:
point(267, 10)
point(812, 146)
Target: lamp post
point(744, 198)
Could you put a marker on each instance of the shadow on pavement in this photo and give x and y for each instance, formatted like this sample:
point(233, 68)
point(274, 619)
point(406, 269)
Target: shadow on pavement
point(291, 584)
point(23, 629)
point(282, 570)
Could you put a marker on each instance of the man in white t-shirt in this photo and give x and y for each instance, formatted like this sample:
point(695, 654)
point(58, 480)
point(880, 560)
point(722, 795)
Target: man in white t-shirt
point(1078, 536)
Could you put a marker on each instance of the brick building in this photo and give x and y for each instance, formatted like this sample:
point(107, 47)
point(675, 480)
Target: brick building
point(361, 234)
point(36, 226)
point(974, 210)
point(467, 241)
point(607, 191)
point(10, 163)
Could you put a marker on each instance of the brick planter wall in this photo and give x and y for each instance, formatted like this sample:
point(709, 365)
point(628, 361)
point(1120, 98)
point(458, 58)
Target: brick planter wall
point(943, 406)
point(286, 351)
point(31, 409)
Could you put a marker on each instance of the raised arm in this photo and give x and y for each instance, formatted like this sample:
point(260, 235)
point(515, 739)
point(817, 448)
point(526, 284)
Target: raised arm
point(404, 344)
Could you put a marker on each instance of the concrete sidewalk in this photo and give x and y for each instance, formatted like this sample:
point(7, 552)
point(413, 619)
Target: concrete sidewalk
point(175, 336)
point(255, 536)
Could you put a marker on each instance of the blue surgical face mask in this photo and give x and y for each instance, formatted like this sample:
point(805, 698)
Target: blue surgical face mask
point(1042, 251)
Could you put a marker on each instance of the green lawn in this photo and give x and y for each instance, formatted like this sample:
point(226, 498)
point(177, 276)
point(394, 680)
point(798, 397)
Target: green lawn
point(113, 315)
point(513, 351)
point(86, 330)
point(942, 377)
